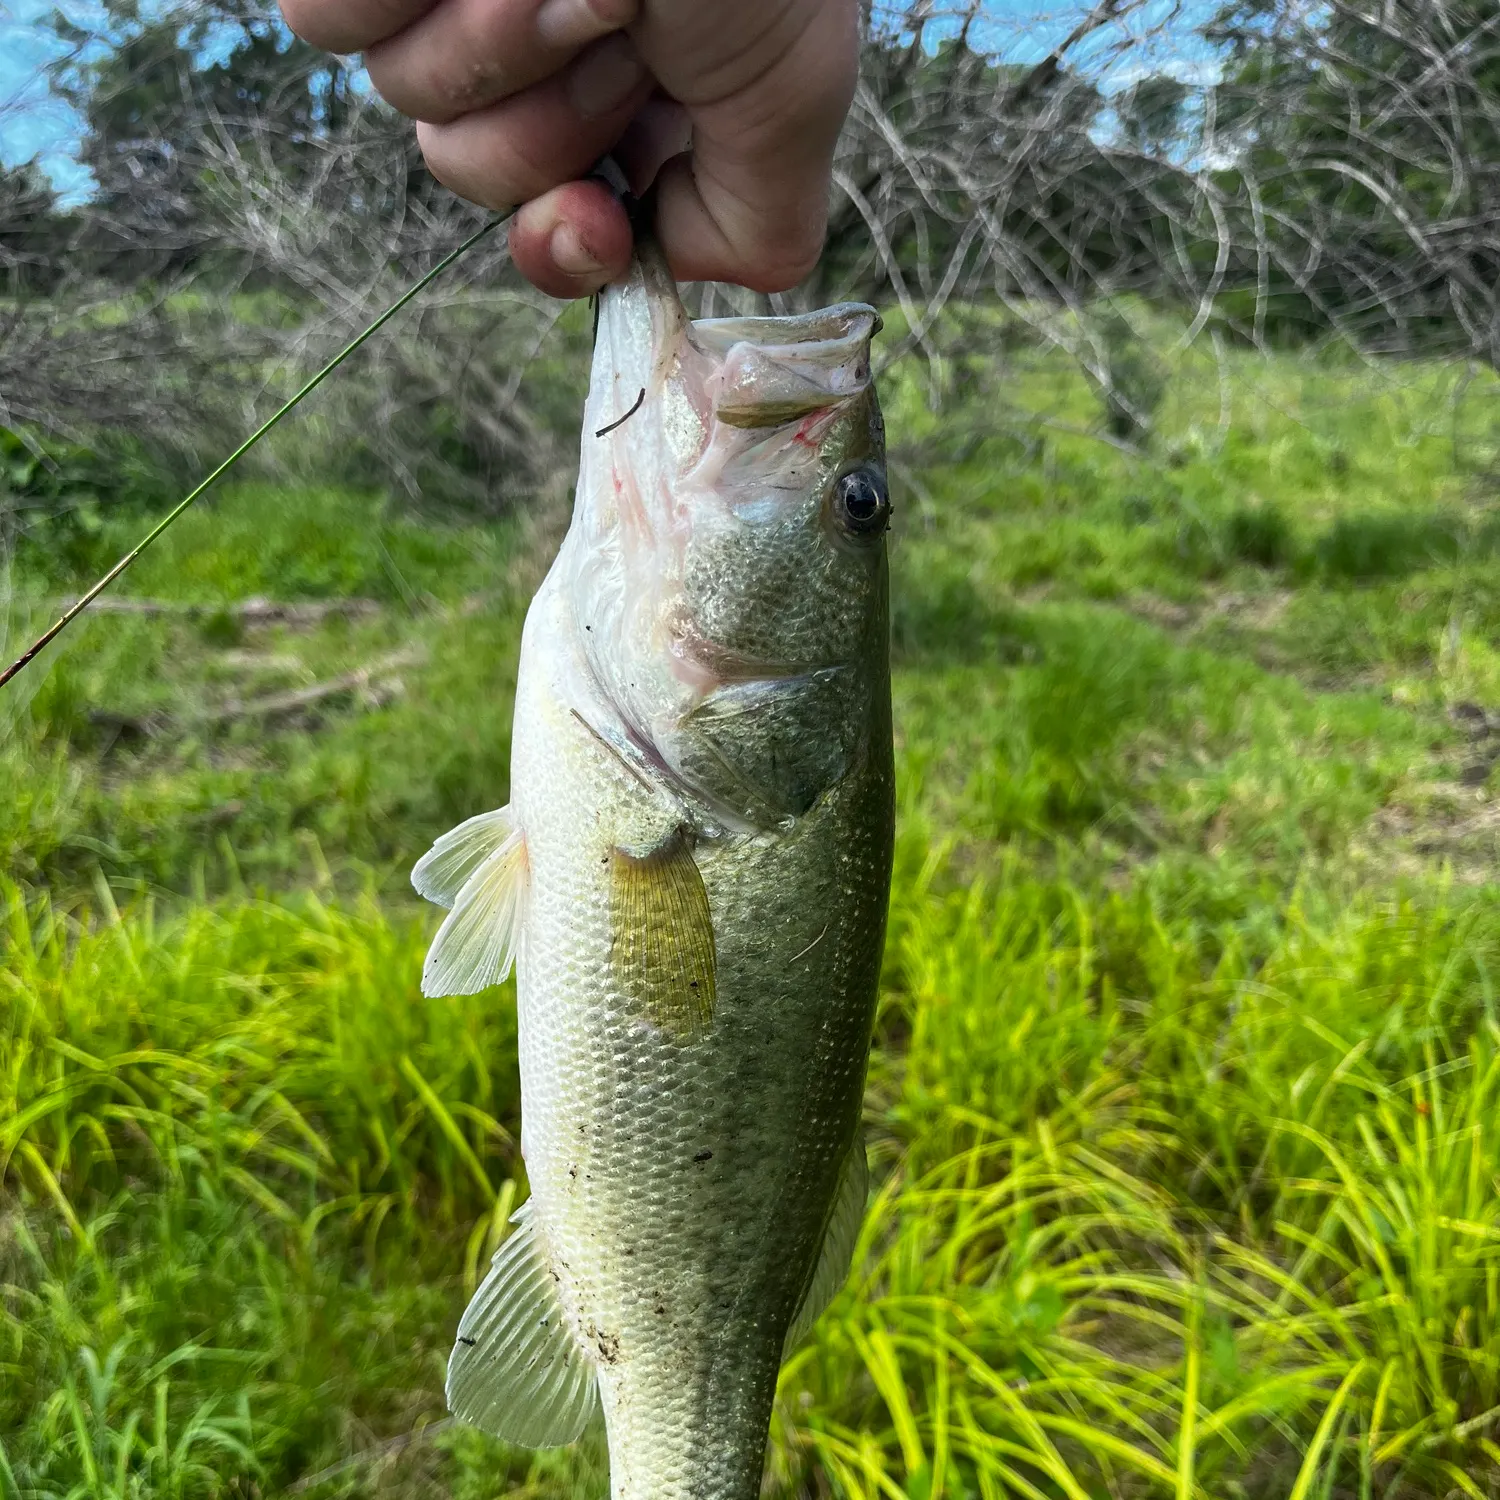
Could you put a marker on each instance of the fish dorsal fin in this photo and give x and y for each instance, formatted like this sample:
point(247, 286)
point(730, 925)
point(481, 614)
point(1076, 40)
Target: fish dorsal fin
point(476, 944)
point(839, 1238)
point(445, 869)
point(662, 937)
point(516, 1370)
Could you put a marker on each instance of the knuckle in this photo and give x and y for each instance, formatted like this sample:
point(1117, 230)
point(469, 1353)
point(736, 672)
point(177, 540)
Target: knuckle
point(485, 43)
point(463, 58)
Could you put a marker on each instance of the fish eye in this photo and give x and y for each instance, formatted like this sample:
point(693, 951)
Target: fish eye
point(861, 502)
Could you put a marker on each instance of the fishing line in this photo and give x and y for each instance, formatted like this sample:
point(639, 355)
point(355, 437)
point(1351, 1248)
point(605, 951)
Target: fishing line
point(81, 604)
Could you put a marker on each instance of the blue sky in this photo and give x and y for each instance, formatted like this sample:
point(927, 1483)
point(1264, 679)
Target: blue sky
point(35, 124)
point(32, 123)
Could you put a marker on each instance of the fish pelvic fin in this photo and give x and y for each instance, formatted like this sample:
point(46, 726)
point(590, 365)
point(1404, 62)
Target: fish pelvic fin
point(662, 937)
point(476, 945)
point(445, 869)
point(831, 1269)
point(516, 1370)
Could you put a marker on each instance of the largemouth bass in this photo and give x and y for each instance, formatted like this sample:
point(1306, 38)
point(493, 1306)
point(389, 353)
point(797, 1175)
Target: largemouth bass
point(691, 879)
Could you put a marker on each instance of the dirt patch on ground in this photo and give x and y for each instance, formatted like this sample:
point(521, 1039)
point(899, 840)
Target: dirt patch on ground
point(1437, 821)
point(1259, 611)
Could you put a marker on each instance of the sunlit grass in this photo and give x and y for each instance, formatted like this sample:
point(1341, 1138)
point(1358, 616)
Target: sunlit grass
point(1150, 1199)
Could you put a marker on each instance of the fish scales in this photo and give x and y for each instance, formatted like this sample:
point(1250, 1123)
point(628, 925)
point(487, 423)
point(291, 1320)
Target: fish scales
point(692, 876)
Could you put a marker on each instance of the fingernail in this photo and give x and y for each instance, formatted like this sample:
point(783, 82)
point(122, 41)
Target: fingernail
point(569, 23)
point(569, 255)
point(605, 77)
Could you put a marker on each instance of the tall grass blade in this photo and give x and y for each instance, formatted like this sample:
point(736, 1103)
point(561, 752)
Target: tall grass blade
point(1309, 1470)
point(449, 1126)
point(1186, 1438)
point(9, 1489)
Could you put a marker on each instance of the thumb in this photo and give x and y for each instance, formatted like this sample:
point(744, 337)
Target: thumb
point(766, 94)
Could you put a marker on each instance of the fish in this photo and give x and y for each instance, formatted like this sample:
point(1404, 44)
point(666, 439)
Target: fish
point(691, 881)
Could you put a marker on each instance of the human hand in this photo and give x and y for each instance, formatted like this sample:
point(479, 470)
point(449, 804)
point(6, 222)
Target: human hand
point(732, 106)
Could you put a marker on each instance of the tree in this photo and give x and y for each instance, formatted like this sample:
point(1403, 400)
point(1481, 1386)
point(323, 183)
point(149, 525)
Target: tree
point(1366, 175)
point(32, 231)
point(173, 95)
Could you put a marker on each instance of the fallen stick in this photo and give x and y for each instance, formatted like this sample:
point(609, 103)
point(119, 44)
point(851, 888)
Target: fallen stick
point(272, 704)
point(374, 681)
point(254, 611)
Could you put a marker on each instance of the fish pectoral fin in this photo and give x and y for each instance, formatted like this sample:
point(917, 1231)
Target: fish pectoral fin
point(516, 1370)
point(662, 937)
point(831, 1270)
point(445, 869)
point(476, 944)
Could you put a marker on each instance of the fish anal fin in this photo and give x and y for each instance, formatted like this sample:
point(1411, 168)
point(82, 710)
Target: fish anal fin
point(476, 945)
point(831, 1269)
point(446, 868)
point(662, 937)
point(516, 1370)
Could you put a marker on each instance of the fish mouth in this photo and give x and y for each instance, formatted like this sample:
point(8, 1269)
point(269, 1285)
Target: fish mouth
point(772, 371)
point(827, 336)
point(688, 387)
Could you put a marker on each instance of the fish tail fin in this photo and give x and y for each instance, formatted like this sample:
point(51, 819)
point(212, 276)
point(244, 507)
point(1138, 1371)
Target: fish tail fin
point(516, 1370)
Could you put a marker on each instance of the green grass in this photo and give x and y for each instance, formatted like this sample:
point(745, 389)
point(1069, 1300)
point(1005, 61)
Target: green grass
point(1185, 1108)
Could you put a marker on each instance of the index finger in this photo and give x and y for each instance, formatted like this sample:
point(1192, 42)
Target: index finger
point(351, 25)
